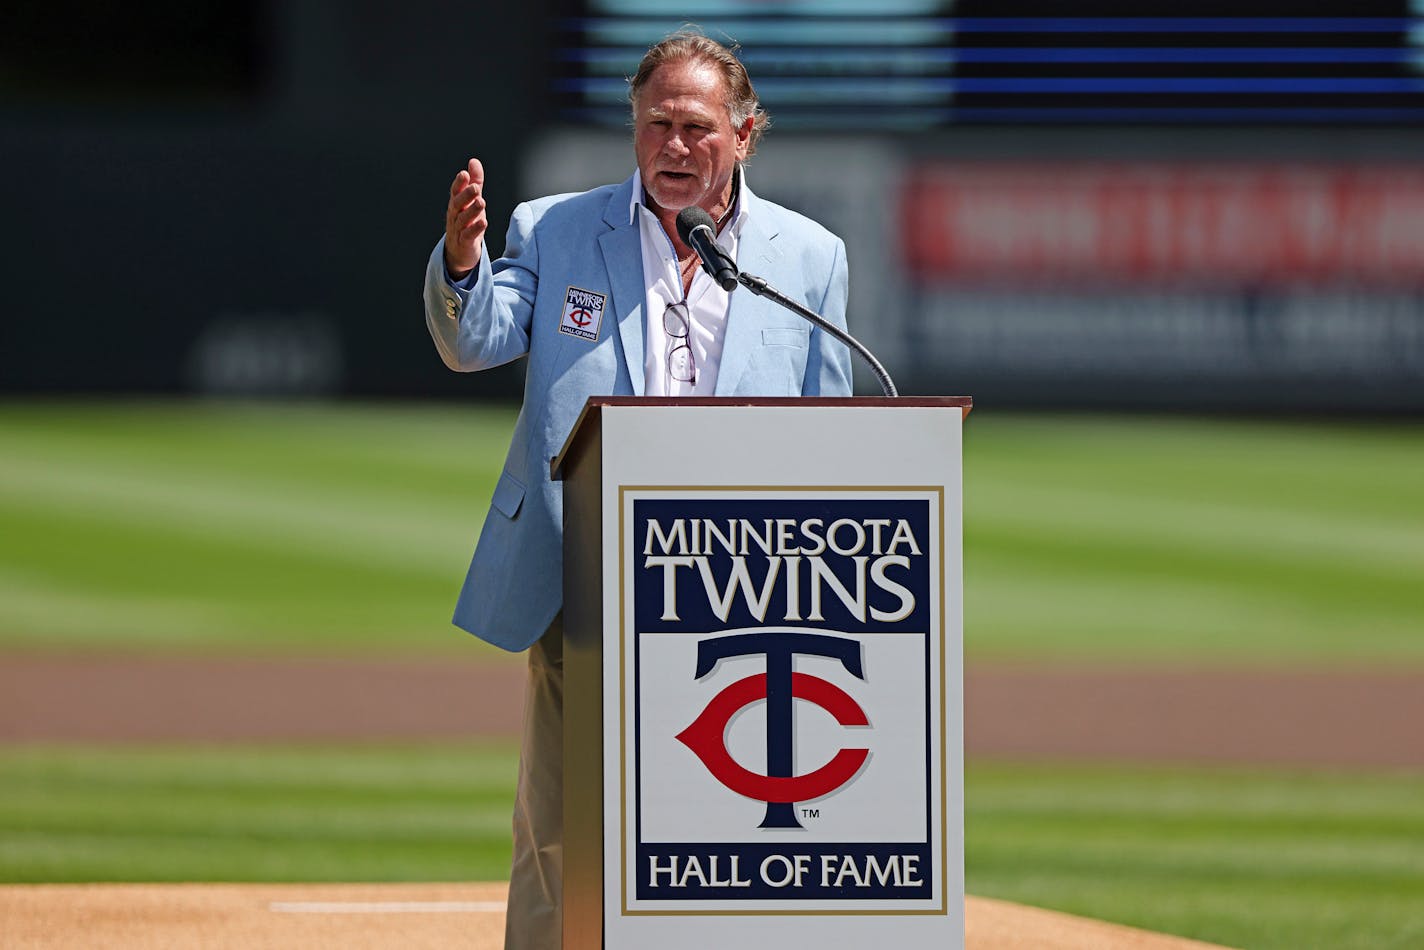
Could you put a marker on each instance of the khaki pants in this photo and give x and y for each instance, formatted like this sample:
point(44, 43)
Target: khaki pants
point(535, 919)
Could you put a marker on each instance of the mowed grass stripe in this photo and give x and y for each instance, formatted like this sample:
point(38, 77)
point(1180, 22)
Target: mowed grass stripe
point(1014, 610)
point(236, 436)
point(164, 555)
point(1307, 577)
point(1296, 531)
point(63, 617)
point(423, 472)
point(396, 528)
point(78, 580)
point(1216, 458)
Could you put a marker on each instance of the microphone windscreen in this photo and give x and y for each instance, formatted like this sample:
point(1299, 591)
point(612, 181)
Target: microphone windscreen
point(693, 217)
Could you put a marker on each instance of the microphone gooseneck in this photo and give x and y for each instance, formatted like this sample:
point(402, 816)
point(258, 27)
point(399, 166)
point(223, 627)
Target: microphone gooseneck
point(760, 287)
point(695, 228)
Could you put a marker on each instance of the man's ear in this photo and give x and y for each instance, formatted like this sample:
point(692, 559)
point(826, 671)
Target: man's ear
point(744, 136)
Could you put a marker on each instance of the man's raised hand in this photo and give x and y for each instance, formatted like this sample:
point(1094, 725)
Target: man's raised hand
point(465, 220)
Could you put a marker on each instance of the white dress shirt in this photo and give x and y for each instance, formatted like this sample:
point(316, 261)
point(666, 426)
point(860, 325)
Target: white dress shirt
point(707, 303)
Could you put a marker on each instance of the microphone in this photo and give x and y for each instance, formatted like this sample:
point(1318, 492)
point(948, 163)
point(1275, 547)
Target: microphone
point(694, 227)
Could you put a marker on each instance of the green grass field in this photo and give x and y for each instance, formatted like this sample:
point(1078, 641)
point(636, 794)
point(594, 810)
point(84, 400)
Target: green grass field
point(208, 526)
point(255, 528)
point(257, 813)
point(230, 528)
point(1247, 859)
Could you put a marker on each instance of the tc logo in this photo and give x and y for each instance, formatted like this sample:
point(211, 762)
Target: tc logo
point(707, 736)
point(581, 316)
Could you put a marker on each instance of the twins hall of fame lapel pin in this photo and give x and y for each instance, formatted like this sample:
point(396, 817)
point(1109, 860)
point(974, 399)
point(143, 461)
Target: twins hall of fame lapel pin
point(583, 313)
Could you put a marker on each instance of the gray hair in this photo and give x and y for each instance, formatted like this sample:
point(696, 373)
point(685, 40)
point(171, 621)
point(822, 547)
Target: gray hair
point(691, 45)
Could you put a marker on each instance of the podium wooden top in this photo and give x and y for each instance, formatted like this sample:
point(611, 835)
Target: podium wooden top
point(596, 404)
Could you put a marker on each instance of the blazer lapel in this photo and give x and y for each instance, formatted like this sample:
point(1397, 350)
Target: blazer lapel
point(623, 258)
point(757, 253)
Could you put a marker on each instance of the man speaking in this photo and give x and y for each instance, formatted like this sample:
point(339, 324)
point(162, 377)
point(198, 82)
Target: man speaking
point(604, 298)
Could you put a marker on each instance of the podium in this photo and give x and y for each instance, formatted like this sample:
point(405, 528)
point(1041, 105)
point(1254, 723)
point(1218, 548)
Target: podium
point(763, 716)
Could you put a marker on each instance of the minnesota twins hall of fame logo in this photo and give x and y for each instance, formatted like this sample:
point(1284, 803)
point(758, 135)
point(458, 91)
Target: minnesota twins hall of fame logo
point(583, 313)
point(782, 718)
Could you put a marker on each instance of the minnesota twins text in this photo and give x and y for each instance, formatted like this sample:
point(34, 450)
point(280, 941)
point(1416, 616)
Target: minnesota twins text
point(798, 555)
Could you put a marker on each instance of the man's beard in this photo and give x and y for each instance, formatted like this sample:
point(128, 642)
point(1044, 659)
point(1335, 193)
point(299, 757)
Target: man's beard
point(676, 203)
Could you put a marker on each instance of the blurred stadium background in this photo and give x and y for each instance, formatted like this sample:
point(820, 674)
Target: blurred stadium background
point(1177, 260)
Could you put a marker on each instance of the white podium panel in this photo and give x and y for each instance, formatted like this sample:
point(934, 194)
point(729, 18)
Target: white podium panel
point(782, 724)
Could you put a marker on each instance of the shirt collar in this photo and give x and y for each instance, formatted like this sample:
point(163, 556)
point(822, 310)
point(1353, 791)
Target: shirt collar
point(736, 221)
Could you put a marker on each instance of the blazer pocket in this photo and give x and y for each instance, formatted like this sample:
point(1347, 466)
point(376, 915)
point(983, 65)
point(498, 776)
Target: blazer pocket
point(508, 495)
point(786, 336)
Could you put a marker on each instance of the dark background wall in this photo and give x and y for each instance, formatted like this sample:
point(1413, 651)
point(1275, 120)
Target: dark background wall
point(246, 190)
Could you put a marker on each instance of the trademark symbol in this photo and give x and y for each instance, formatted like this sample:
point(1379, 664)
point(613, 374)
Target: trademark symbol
point(810, 813)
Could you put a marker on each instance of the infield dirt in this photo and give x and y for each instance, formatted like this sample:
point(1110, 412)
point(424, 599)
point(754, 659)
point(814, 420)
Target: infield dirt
point(409, 916)
point(1022, 712)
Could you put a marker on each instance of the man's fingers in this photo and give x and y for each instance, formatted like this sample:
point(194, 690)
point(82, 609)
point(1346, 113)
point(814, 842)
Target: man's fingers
point(471, 216)
point(471, 174)
point(465, 207)
point(467, 186)
point(462, 200)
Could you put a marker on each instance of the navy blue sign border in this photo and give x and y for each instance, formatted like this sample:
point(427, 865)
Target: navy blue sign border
point(752, 849)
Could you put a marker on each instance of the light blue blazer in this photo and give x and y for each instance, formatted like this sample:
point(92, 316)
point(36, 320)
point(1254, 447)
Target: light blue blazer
point(512, 307)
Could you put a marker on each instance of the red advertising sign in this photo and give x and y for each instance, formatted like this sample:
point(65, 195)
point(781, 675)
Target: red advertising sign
point(1156, 222)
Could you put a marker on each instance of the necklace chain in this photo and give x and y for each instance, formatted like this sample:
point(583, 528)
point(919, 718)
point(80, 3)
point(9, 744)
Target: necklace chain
point(687, 266)
point(685, 261)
